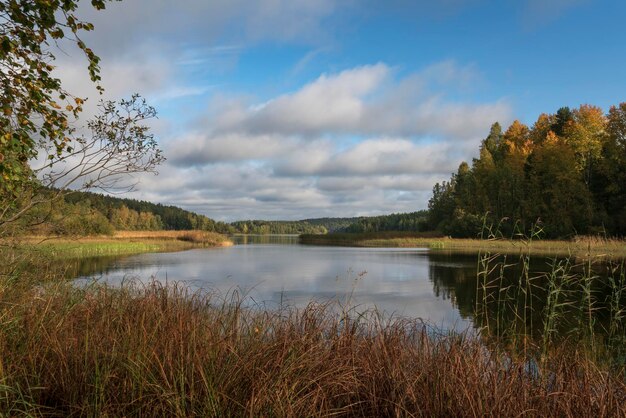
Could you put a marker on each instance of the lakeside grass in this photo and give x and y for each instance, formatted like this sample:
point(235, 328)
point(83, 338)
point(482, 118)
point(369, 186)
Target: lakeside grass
point(155, 350)
point(121, 243)
point(578, 247)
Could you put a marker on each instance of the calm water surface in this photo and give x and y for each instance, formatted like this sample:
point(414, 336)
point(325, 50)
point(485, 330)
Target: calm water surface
point(439, 287)
point(274, 270)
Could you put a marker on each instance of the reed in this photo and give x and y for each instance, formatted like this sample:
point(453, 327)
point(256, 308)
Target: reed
point(567, 301)
point(579, 247)
point(159, 350)
point(194, 236)
point(122, 243)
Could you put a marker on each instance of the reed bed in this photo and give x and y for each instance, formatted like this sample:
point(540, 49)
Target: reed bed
point(156, 350)
point(194, 236)
point(579, 247)
point(120, 244)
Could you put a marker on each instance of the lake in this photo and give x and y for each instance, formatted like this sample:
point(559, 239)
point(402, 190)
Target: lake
point(436, 286)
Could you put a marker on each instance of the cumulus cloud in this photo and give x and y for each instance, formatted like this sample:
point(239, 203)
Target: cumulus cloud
point(367, 100)
point(230, 191)
point(330, 103)
point(148, 73)
point(372, 157)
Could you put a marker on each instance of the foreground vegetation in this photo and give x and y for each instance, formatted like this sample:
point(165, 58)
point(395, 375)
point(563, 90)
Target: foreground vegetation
point(162, 351)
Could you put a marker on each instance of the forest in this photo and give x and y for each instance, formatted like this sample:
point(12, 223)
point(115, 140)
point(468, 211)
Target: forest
point(414, 221)
point(277, 227)
point(87, 213)
point(562, 176)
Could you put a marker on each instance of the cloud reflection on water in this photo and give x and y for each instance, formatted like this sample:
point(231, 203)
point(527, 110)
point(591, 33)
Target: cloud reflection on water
point(395, 281)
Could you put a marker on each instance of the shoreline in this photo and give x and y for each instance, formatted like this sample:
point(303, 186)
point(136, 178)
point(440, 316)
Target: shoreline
point(579, 247)
point(122, 243)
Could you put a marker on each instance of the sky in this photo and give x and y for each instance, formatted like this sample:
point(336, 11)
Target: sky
point(294, 109)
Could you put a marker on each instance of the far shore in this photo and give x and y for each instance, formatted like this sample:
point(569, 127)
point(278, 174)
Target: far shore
point(577, 247)
point(136, 242)
point(124, 243)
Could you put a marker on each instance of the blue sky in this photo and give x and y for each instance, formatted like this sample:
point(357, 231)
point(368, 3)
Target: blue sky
point(289, 109)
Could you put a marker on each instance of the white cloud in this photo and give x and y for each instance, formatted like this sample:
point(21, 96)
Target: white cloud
point(332, 103)
point(370, 157)
point(367, 100)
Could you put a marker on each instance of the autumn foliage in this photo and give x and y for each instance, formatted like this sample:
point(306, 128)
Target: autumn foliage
point(564, 175)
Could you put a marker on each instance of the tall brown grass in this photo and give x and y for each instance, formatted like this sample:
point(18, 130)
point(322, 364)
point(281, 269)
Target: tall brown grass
point(579, 246)
point(155, 350)
point(194, 236)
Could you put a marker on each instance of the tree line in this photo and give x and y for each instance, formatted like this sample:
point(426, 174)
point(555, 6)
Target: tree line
point(415, 221)
point(564, 175)
point(277, 227)
point(88, 213)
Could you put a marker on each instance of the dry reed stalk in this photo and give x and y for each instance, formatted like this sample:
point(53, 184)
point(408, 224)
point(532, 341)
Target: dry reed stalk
point(160, 350)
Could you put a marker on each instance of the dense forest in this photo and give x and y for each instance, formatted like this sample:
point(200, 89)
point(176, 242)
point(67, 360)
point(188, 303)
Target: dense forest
point(278, 227)
point(86, 213)
point(332, 224)
point(564, 175)
point(131, 214)
point(415, 221)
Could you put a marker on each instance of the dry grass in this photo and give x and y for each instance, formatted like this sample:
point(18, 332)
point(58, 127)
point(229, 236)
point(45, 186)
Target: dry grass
point(162, 351)
point(578, 247)
point(194, 236)
point(122, 243)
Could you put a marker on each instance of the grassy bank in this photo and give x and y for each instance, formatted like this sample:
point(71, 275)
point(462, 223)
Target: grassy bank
point(162, 351)
point(579, 247)
point(122, 243)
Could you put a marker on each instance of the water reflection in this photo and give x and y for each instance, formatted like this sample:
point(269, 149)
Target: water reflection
point(273, 270)
point(439, 287)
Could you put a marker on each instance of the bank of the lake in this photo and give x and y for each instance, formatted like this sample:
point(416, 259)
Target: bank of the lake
point(577, 247)
point(121, 243)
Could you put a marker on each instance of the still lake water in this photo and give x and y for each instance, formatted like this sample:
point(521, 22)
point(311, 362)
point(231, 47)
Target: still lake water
point(272, 270)
point(439, 287)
